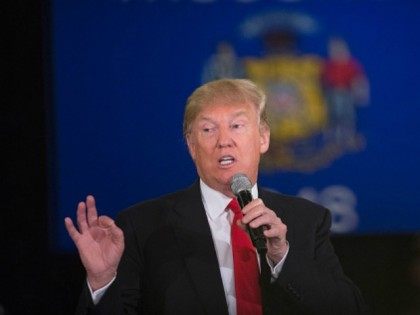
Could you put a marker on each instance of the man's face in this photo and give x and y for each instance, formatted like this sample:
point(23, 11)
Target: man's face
point(226, 139)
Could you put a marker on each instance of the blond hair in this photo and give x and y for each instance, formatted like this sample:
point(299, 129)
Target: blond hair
point(226, 90)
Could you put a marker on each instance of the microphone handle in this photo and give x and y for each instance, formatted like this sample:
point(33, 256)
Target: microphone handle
point(257, 236)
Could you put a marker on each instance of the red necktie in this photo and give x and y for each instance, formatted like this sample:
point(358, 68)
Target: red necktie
point(245, 265)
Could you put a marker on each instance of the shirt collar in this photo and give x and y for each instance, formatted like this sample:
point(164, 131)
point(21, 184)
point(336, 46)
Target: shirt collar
point(215, 202)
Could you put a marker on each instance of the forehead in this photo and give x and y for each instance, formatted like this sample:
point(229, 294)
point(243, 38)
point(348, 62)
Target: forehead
point(223, 109)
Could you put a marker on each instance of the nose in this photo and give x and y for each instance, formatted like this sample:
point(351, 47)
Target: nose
point(225, 138)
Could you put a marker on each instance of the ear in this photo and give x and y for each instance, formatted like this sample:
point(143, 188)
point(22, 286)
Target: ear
point(264, 138)
point(191, 145)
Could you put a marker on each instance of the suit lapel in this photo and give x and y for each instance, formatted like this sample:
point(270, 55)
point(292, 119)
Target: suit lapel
point(193, 236)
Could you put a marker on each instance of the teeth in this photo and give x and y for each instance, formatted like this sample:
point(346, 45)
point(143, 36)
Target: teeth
point(226, 160)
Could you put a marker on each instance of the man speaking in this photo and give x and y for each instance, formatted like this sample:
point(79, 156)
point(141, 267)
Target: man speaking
point(190, 252)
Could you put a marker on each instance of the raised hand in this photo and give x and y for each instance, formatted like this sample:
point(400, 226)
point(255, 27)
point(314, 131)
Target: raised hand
point(99, 241)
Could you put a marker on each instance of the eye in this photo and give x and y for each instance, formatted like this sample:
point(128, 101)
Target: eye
point(237, 126)
point(208, 129)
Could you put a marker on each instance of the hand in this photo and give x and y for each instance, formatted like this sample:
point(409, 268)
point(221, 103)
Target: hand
point(99, 241)
point(256, 214)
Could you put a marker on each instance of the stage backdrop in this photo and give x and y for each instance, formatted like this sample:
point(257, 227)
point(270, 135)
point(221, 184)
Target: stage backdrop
point(342, 80)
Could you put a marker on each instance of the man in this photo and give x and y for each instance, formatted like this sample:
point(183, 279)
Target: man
point(178, 254)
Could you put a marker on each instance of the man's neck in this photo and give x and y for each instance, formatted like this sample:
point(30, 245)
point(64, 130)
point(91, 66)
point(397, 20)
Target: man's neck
point(228, 192)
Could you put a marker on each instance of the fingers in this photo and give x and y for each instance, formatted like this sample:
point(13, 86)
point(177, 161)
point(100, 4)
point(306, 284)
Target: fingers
point(117, 234)
point(81, 217)
point(87, 215)
point(71, 229)
point(81, 220)
point(92, 213)
point(252, 211)
point(256, 214)
point(276, 231)
point(105, 222)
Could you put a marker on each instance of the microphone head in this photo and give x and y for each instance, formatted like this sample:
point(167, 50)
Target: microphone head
point(240, 182)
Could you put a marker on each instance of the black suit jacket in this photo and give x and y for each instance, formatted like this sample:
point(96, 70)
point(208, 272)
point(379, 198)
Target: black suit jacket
point(169, 265)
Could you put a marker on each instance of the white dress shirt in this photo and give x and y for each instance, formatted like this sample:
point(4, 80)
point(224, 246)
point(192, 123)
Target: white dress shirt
point(215, 204)
point(220, 220)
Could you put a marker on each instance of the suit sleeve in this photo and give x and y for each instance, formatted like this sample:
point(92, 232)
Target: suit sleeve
point(312, 280)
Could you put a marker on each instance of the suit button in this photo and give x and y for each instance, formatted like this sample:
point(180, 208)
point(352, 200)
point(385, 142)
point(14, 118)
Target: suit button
point(293, 291)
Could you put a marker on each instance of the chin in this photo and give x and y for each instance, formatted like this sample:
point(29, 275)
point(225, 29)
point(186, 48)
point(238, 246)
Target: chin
point(227, 176)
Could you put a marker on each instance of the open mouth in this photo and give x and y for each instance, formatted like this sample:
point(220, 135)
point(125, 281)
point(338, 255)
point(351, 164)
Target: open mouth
point(226, 160)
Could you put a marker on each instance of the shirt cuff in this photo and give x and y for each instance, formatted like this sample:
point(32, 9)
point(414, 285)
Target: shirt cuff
point(98, 294)
point(275, 270)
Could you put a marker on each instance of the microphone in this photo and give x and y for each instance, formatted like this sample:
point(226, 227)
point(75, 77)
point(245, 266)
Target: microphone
point(241, 187)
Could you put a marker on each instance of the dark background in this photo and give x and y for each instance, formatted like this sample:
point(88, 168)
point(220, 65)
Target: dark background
point(34, 279)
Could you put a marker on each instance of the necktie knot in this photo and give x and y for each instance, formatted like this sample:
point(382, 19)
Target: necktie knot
point(234, 206)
